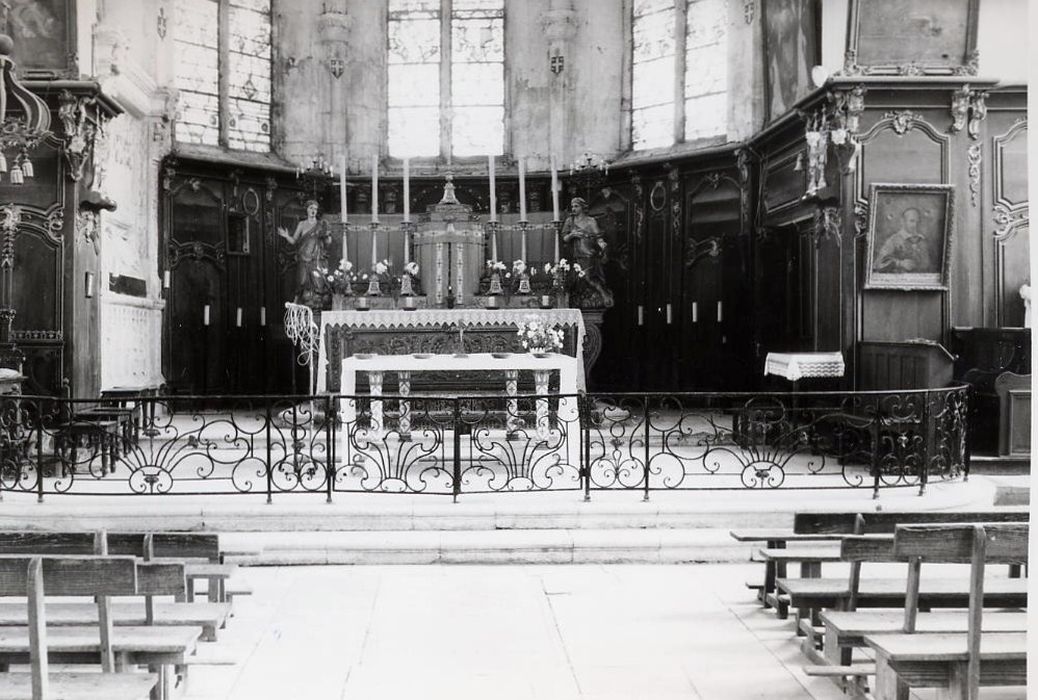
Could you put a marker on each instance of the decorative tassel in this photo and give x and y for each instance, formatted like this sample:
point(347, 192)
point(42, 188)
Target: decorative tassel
point(27, 168)
point(3, 163)
point(16, 176)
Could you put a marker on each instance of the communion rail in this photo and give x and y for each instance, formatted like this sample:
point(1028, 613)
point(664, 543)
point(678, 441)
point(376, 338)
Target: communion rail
point(455, 445)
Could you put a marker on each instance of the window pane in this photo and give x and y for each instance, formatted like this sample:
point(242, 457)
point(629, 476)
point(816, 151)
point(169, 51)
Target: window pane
point(652, 73)
point(478, 84)
point(652, 127)
point(414, 8)
point(477, 131)
point(248, 125)
point(414, 131)
point(414, 85)
point(478, 40)
point(653, 83)
point(706, 116)
point(198, 118)
point(654, 36)
point(414, 41)
point(706, 71)
point(196, 39)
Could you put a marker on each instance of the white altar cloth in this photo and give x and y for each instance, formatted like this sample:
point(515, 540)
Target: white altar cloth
point(567, 367)
point(434, 318)
point(795, 366)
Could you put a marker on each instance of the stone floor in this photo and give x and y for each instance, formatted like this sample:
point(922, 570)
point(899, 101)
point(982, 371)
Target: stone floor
point(609, 632)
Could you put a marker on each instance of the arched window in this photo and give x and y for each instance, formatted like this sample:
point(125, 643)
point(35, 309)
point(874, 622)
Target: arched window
point(672, 39)
point(223, 64)
point(446, 84)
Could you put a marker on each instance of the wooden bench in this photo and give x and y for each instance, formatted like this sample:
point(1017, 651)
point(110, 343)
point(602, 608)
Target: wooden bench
point(810, 596)
point(37, 576)
point(775, 539)
point(210, 616)
point(955, 663)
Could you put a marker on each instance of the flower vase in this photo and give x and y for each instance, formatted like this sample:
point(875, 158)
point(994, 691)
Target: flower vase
point(406, 288)
point(539, 352)
point(495, 285)
point(374, 287)
point(338, 302)
point(524, 284)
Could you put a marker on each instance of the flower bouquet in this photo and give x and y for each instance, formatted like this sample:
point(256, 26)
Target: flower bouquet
point(519, 271)
point(380, 281)
point(564, 275)
point(495, 271)
point(539, 338)
point(341, 279)
point(409, 282)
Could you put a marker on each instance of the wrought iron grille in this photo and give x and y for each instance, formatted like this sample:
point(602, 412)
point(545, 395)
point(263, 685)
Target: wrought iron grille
point(453, 445)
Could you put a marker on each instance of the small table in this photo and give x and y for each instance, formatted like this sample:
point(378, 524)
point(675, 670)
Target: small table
point(406, 365)
point(795, 366)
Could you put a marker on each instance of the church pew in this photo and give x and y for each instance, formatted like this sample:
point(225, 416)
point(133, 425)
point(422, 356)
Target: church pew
point(38, 576)
point(958, 664)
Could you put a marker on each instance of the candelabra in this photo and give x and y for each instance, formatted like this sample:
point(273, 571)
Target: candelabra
point(22, 131)
point(315, 176)
point(588, 172)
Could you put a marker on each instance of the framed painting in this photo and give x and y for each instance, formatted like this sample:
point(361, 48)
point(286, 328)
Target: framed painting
point(922, 37)
point(791, 50)
point(44, 35)
point(909, 236)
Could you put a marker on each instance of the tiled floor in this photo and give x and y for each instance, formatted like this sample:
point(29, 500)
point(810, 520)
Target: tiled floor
point(503, 632)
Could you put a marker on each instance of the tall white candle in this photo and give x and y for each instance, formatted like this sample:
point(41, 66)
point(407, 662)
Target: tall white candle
point(342, 198)
point(493, 243)
point(522, 189)
point(205, 315)
point(491, 167)
point(554, 190)
point(238, 319)
point(374, 190)
point(374, 249)
point(165, 279)
point(263, 315)
point(407, 189)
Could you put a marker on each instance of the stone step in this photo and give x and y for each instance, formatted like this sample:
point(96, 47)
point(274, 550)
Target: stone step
point(560, 546)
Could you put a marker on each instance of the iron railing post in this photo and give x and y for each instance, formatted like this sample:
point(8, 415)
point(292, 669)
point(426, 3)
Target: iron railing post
point(963, 441)
point(270, 466)
point(876, 435)
point(648, 434)
point(457, 449)
point(929, 444)
point(329, 436)
point(584, 416)
point(39, 454)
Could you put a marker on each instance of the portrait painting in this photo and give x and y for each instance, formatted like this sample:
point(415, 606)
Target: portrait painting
point(40, 29)
point(924, 36)
point(909, 236)
point(791, 45)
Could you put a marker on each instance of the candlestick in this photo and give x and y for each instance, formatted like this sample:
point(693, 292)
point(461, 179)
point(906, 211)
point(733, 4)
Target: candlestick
point(492, 167)
point(407, 244)
point(165, 279)
point(263, 315)
point(407, 189)
point(342, 197)
point(554, 191)
point(374, 246)
point(238, 319)
point(522, 254)
point(205, 315)
point(556, 233)
point(493, 241)
point(522, 190)
point(374, 190)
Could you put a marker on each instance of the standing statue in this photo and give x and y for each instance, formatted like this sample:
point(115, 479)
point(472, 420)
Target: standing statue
point(311, 239)
point(588, 248)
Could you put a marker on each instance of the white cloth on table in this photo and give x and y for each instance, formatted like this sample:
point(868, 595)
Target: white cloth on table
point(436, 318)
point(795, 366)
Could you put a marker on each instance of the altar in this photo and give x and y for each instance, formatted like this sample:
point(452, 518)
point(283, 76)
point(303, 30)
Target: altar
point(435, 332)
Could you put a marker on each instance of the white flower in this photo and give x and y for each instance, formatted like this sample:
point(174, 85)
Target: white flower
point(364, 276)
point(547, 268)
point(411, 268)
point(380, 268)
